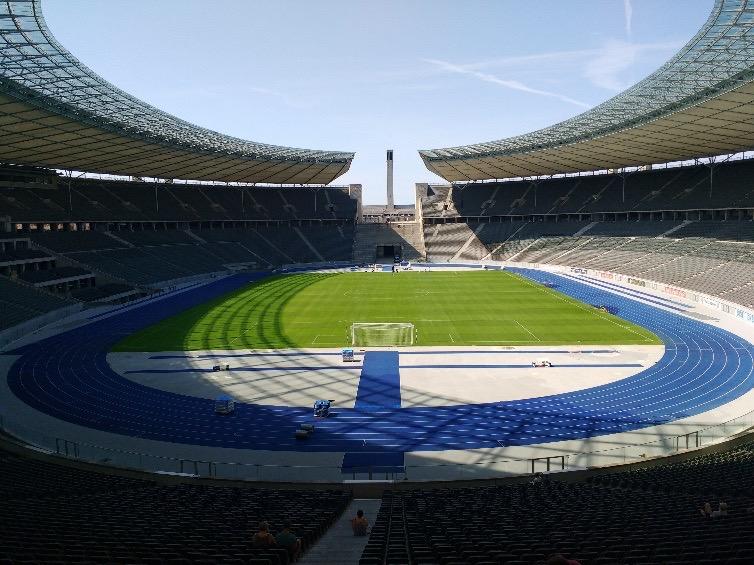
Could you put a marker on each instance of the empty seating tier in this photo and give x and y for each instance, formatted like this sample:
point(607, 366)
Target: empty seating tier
point(700, 187)
point(20, 303)
point(54, 513)
point(526, 523)
point(120, 201)
point(713, 257)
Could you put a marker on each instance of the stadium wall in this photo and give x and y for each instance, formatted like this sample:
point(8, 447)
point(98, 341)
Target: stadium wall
point(25, 328)
point(726, 308)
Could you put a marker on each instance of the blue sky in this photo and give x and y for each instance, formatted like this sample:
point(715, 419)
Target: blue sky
point(368, 76)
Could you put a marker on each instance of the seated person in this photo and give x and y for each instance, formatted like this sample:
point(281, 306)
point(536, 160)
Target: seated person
point(722, 510)
point(288, 540)
point(359, 524)
point(263, 538)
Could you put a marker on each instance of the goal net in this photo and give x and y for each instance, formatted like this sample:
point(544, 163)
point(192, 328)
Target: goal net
point(382, 334)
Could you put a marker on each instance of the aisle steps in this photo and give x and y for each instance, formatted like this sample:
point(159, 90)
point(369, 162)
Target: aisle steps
point(339, 546)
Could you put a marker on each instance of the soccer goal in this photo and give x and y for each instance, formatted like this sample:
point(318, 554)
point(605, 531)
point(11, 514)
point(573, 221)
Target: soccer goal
point(378, 334)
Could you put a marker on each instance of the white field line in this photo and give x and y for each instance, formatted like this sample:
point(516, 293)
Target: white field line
point(582, 306)
point(247, 330)
point(324, 335)
point(523, 327)
point(516, 341)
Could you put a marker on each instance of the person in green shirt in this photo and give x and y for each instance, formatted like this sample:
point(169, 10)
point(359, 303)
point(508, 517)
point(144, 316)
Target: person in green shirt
point(287, 539)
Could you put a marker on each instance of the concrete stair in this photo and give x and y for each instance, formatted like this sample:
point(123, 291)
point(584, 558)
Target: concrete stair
point(339, 546)
point(674, 229)
point(406, 234)
point(472, 249)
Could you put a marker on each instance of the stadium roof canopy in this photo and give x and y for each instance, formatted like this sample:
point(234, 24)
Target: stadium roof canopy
point(698, 104)
point(56, 112)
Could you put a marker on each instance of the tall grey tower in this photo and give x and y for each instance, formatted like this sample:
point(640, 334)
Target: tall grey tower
point(390, 203)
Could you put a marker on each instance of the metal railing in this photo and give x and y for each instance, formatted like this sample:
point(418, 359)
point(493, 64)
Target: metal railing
point(486, 467)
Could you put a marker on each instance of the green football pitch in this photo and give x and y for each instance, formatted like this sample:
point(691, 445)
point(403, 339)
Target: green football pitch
point(446, 308)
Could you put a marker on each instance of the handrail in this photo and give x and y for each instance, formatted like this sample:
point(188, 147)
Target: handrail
point(558, 462)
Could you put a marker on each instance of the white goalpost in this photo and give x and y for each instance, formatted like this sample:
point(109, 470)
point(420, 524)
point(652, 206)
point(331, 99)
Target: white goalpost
point(385, 334)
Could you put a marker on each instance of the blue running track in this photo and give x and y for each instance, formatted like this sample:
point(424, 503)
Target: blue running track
point(67, 376)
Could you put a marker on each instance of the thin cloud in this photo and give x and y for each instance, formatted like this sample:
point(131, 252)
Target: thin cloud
point(518, 60)
point(606, 69)
point(628, 14)
point(506, 83)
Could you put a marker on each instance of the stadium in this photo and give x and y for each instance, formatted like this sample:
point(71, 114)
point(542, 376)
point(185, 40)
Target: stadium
point(546, 358)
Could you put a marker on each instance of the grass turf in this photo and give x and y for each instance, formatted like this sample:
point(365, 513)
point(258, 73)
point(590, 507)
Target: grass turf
point(450, 308)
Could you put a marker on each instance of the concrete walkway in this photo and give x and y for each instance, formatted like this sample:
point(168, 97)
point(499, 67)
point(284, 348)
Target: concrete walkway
point(339, 546)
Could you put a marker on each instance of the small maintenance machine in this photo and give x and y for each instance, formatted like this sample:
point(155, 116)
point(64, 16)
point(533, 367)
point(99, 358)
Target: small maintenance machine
point(304, 431)
point(322, 408)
